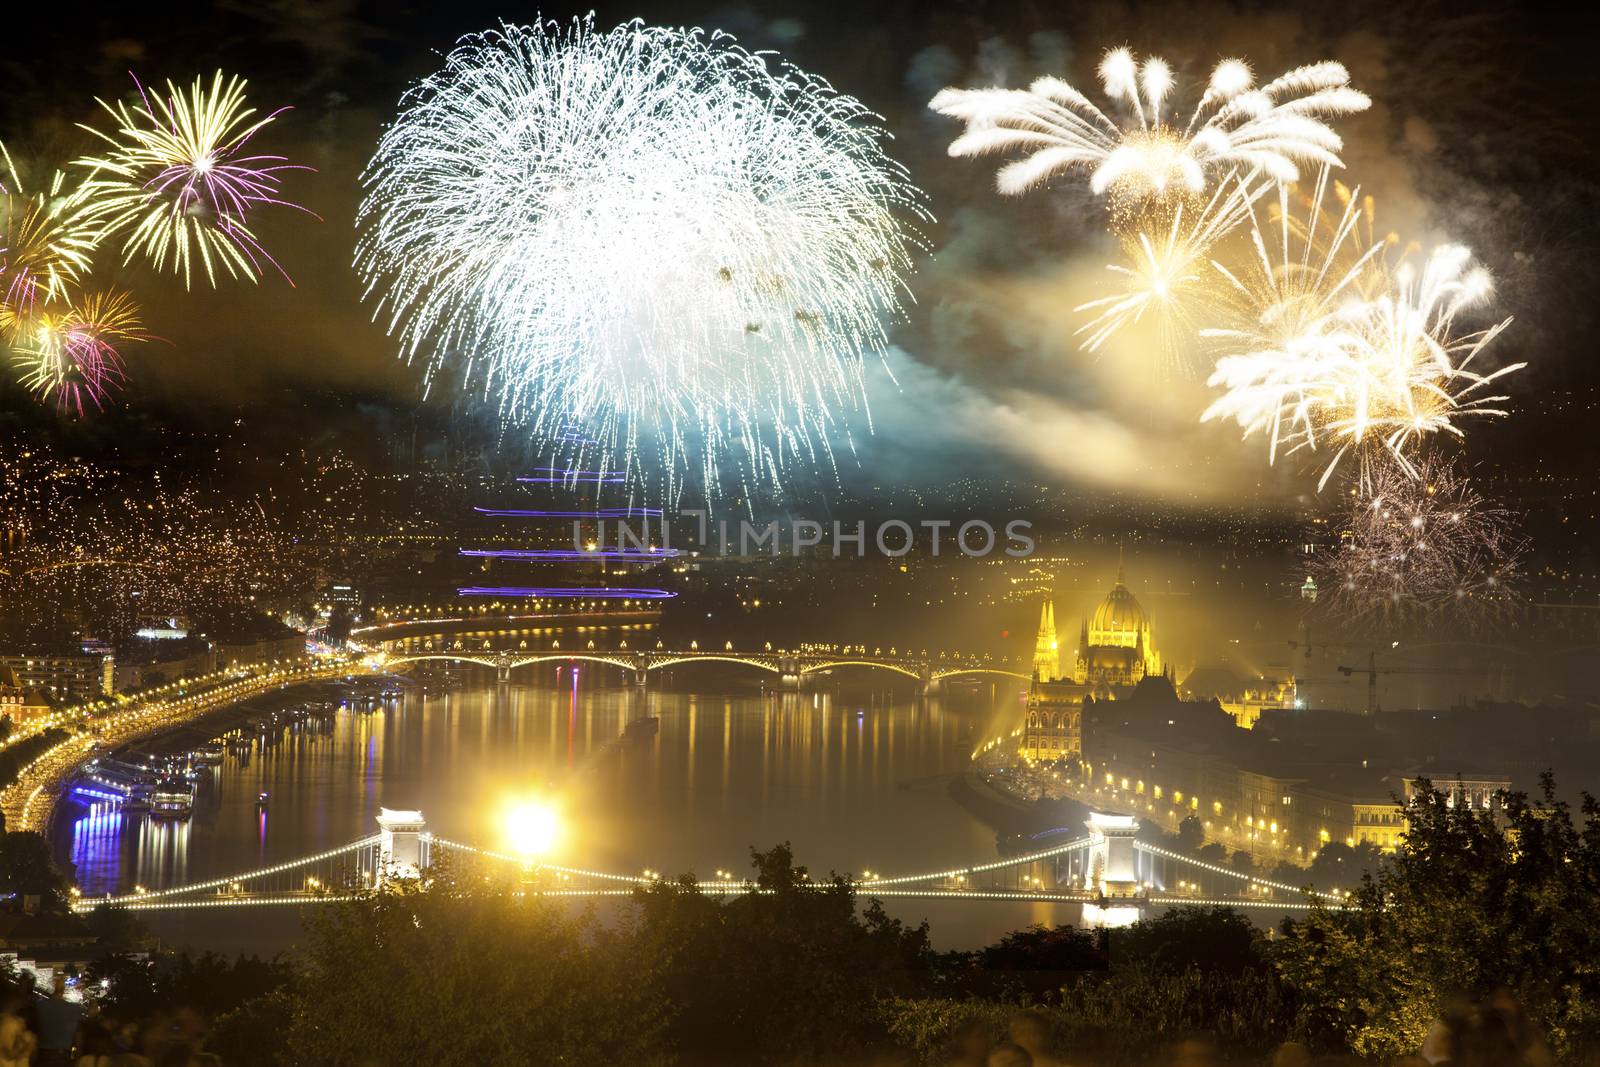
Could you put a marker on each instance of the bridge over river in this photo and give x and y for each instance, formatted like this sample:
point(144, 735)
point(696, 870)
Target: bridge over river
point(505, 650)
point(1115, 877)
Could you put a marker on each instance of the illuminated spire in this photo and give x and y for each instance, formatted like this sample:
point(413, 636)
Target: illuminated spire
point(1046, 652)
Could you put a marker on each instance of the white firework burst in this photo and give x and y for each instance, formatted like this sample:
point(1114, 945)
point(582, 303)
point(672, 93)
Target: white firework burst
point(1147, 149)
point(650, 235)
point(1365, 361)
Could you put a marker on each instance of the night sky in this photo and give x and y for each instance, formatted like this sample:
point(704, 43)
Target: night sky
point(1481, 132)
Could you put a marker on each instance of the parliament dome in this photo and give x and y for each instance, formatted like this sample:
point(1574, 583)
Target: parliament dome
point(1119, 613)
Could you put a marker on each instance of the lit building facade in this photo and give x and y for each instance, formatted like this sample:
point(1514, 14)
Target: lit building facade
point(18, 702)
point(1259, 775)
point(1287, 814)
point(1244, 699)
point(1115, 649)
point(64, 678)
point(1047, 649)
point(1115, 653)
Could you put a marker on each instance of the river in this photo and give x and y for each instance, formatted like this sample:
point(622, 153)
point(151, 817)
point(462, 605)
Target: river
point(854, 782)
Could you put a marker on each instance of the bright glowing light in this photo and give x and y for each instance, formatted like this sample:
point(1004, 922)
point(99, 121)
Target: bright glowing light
point(531, 829)
point(175, 182)
point(1337, 347)
point(1144, 152)
point(685, 250)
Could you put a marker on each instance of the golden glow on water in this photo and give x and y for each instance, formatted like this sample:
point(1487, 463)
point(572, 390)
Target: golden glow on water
point(853, 782)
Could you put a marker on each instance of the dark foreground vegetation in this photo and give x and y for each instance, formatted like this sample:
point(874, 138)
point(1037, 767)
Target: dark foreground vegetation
point(1478, 941)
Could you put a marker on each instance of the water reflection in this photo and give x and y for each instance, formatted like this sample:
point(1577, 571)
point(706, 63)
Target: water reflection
point(161, 855)
point(96, 850)
point(854, 784)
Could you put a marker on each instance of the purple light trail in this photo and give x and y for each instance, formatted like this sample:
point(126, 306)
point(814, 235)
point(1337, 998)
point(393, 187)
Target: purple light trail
point(569, 592)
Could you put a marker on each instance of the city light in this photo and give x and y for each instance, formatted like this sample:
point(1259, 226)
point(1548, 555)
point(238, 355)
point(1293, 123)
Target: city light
point(347, 635)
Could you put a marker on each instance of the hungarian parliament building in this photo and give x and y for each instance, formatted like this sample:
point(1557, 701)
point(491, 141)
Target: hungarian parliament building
point(1259, 773)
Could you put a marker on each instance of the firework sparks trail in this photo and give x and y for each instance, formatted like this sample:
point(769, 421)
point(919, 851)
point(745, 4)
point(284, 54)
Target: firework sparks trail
point(63, 341)
point(645, 233)
point(1168, 271)
point(1283, 305)
point(1335, 346)
point(1148, 150)
point(1418, 544)
point(177, 183)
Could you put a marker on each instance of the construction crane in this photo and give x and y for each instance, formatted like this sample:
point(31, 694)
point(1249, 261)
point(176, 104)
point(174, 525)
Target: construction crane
point(1372, 670)
point(1372, 654)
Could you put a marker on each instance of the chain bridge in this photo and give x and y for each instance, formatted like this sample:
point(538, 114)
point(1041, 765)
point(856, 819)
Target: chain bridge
point(1115, 877)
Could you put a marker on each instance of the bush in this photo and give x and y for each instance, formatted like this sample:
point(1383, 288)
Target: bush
point(461, 973)
point(27, 868)
point(925, 1025)
point(1125, 1017)
point(1471, 903)
point(1215, 939)
point(790, 973)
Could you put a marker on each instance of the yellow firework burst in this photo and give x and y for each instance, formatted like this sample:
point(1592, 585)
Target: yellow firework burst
point(44, 243)
point(1335, 344)
point(177, 183)
point(1168, 272)
point(68, 351)
point(1145, 149)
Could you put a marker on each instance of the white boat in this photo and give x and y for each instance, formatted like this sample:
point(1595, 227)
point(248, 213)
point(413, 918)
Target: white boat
point(172, 799)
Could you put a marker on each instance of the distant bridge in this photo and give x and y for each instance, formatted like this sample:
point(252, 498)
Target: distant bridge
point(789, 667)
point(1114, 876)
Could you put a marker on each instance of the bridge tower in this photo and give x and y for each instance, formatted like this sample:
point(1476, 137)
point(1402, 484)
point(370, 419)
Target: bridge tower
point(1114, 871)
point(402, 844)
